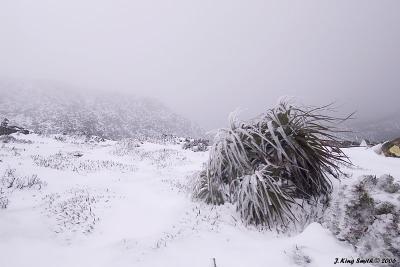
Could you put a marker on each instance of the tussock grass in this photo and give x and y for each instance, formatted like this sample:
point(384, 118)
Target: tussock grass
point(265, 166)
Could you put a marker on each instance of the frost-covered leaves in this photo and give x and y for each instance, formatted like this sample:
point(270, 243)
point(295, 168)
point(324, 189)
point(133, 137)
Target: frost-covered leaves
point(196, 144)
point(7, 139)
point(367, 215)
point(9, 151)
point(264, 165)
point(260, 200)
point(62, 161)
point(11, 139)
point(209, 191)
point(160, 158)
point(3, 199)
point(126, 147)
point(387, 184)
point(11, 181)
point(74, 211)
point(163, 158)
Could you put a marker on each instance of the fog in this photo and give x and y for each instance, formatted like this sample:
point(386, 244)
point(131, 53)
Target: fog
point(207, 58)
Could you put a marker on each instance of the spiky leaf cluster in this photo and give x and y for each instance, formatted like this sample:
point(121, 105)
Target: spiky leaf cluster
point(266, 165)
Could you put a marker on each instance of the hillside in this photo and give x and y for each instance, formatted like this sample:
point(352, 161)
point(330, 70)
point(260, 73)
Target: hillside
point(54, 108)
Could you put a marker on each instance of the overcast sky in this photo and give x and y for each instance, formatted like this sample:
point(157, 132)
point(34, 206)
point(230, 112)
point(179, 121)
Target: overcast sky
point(206, 58)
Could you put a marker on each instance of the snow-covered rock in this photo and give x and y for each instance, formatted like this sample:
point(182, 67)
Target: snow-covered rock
point(392, 148)
point(363, 143)
point(377, 149)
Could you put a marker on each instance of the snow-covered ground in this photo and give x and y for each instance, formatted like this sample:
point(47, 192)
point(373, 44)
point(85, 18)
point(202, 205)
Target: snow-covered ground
point(116, 204)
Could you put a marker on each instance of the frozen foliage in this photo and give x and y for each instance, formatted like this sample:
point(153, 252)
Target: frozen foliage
point(161, 158)
point(61, 161)
point(196, 144)
point(7, 139)
point(74, 210)
point(109, 115)
point(273, 163)
point(3, 199)
point(126, 147)
point(387, 184)
point(367, 215)
point(12, 139)
point(10, 180)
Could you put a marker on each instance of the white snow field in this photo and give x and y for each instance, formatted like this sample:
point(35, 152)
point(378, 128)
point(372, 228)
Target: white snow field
point(115, 204)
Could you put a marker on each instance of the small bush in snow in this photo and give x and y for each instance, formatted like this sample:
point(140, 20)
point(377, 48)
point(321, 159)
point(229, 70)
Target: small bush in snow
point(367, 216)
point(11, 139)
point(61, 161)
point(267, 165)
point(387, 184)
point(163, 158)
point(74, 210)
point(7, 139)
point(126, 147)
point(10, 180)
point(196, 144)
point(3, 199)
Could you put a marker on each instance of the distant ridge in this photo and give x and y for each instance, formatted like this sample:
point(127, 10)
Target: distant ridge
point(377, 130)
point(47, 107)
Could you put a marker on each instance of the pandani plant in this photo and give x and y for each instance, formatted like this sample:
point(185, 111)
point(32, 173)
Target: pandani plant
point(275, 162)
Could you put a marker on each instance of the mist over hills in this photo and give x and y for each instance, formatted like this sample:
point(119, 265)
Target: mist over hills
point(380, 129)
point(47, 107)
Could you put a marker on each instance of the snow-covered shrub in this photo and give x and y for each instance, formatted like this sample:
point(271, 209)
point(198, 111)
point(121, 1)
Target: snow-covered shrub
point(3, 199)
point(367, 216)
point(7, 139)
point(74, 210)
point(163, 158)
point(196, 144)
point(10, 151)
point(387, 184)
point(272, 163)
point(60, 138)
point(61, 161)
point(126, 147)
point(57, 161)
point(10, 180)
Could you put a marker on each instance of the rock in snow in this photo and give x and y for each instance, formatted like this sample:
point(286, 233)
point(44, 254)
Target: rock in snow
point(392, 148)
